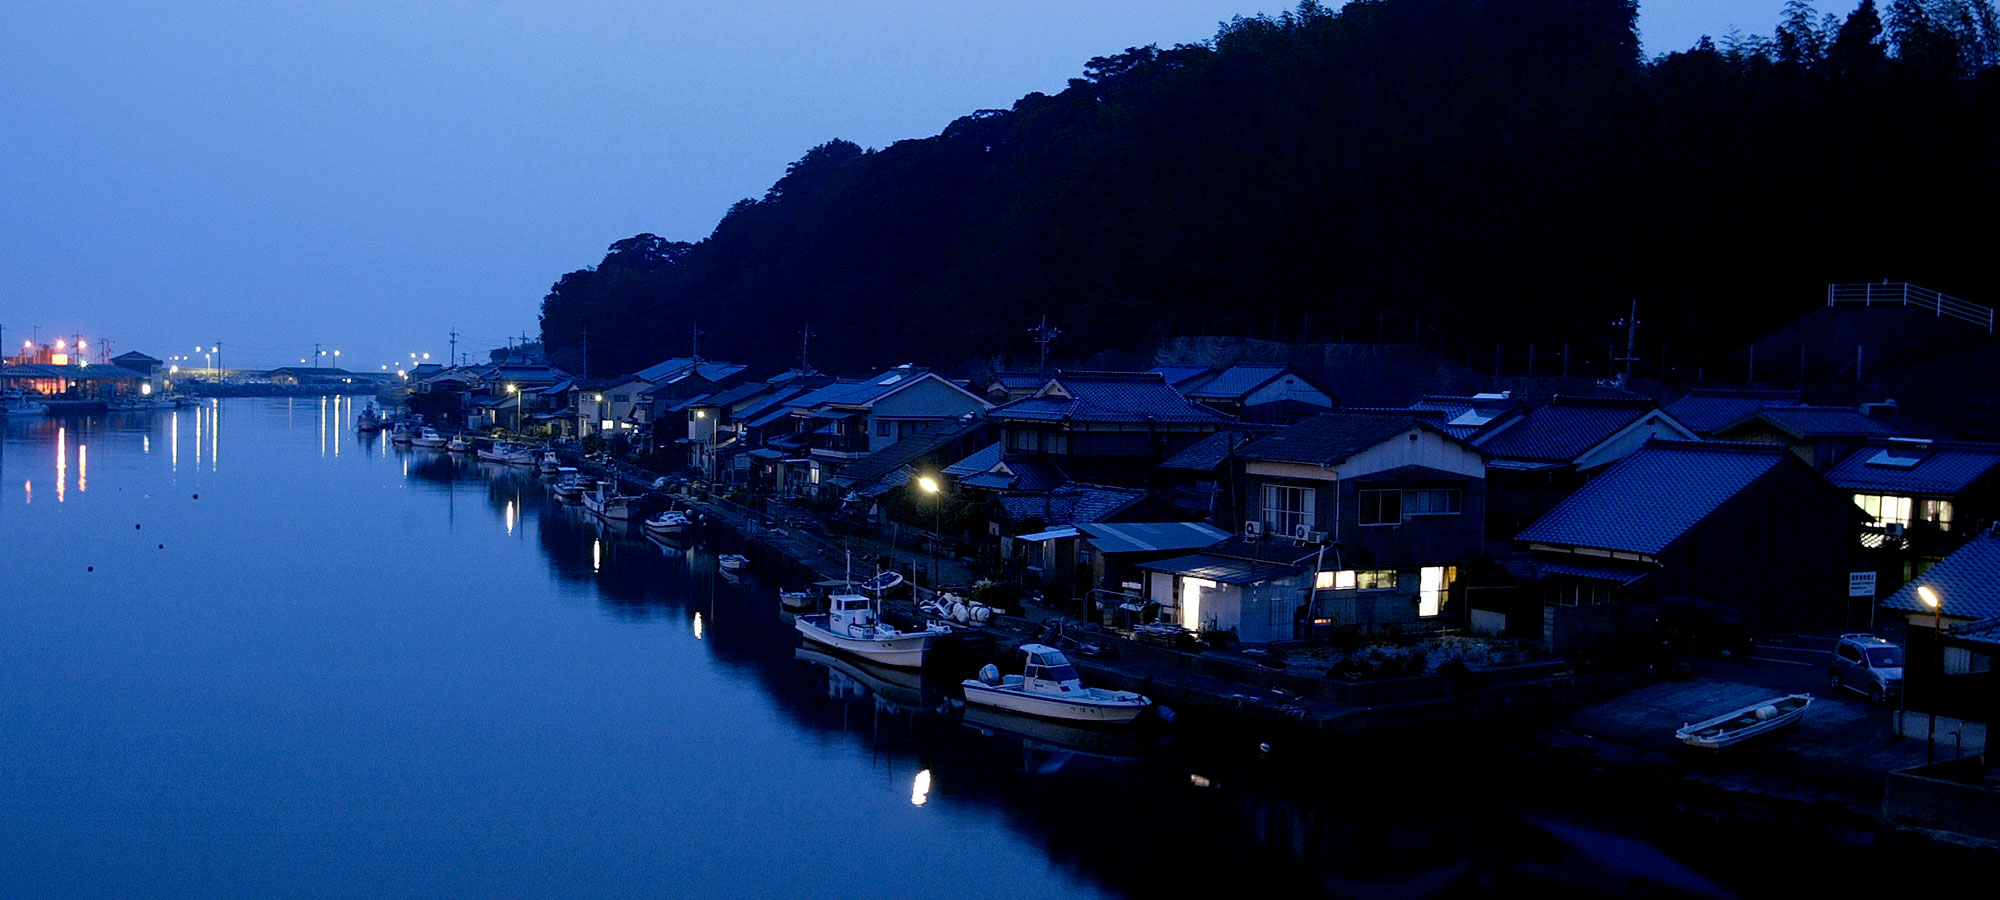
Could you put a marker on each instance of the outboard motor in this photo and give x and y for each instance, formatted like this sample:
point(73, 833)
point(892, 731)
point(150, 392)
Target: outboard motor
point(989, 674)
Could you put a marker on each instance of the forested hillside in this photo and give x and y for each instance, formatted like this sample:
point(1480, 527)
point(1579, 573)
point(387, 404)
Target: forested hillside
point(1467, 171)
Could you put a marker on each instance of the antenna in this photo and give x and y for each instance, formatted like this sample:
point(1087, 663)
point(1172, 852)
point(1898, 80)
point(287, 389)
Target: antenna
point(1045, 335)
point(1631, 325)
point(805, 349)
point(695, 350)
point(454, 346)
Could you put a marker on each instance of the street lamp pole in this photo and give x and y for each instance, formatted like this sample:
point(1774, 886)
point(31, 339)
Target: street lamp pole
point(515, 389)
point(1932, 600)
point(931, 486)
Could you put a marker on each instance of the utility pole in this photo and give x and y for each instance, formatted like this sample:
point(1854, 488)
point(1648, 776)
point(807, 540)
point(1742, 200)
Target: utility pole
point(694, 351)
point(1631, 325)
point(584, 363)
point(805, 350)
point(453, 358)
point(1045, 335)
point(315, 354)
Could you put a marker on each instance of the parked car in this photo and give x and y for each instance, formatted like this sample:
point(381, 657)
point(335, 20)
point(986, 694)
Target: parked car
point(1869, 664)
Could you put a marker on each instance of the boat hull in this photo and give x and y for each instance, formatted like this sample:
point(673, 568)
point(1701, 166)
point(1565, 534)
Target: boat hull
point(1064, 709)
point(904, 651)
point(1746, 724)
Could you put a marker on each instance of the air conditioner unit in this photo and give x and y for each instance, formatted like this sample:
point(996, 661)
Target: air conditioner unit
point(1302, 532)
point(1319, 537)
point(1253, 530)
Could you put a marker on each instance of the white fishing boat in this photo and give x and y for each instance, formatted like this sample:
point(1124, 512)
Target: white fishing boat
point(15, 402)
point(1051, 688)
point(1735, 727)
point(604, 502)
point(549, 463)
point(851, 624)
point(428, 437)
point(670, 522)
point(507, 452)
point(368, 420)
point(458, 444)
point(733, 562)
point(402, 433)
point(573, 487)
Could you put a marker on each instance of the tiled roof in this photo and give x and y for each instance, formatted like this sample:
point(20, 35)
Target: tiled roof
point(1151, 537)
point(1331, 438)
point(1023, 474)
point(1801, 422)
point(1020, 381)
point(1108, 397)
point(770, 409)
point(1646, 501)
point(1072, 503)
point(1915, 467)
point(1708, 409)
point(1467, 417)
point(894, 457)
point(1184, 377)
point(976, 463)
point(1967, 582)
point(1208, 454)
point(1236, 382)
point(1986, 631)
point(1565, 429)
point(735, 395)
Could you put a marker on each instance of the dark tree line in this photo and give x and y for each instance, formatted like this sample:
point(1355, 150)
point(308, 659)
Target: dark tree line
point(1503, 169)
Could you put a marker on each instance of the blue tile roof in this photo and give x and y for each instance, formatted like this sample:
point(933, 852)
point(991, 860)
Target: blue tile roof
point(1108, 397)
point(1802, 422)
point(1466, 418)
point(1208, 454)
point(1565, 429)
point(1221, 569)
point(1332, 438)
point(1708, 409)
point(976, 463)
point(1184, 377)
point(1647, 501)
point(1236, 382)
point(1072, 503)
point(1967, 582)
point(1151, 537)
point(1939, 467)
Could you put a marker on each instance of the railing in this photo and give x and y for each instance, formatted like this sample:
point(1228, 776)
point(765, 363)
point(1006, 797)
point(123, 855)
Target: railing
point(1906, 294)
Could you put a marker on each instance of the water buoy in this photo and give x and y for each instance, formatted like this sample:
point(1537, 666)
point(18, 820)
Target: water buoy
point(1264, 748)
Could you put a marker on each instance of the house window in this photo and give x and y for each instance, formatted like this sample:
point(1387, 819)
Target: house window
point(1381, 508)
point(621, 398)
point(1577, 594)
point(1375, 579)
point(1286, 507)
point(1434, 588)
point(1022, 439)
point(1058, 443)
point(1342, 580)
point(1936, 512)
point(1885, 510)
point(1432, 502)
point(884, 429)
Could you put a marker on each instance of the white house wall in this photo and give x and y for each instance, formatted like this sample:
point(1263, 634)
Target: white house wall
point(1629, 439)
point(1430, 450)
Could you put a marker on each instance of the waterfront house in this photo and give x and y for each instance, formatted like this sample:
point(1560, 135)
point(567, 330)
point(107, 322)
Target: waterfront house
point(1820, 435)
point(671, 383)
point(1922, 498)
point(1201, 480)
point(1690, 529)
point(1035, 531)
point(154, 370)
point(839, 423)
point(1967, 585)
point(1105, 427)
point(1006, 387)
point(1537, 459)
point(923, 452)
point(1470, 417)
point(1116, 550)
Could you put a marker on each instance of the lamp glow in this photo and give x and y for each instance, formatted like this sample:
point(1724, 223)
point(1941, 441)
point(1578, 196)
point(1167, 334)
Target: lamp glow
point(921, 790)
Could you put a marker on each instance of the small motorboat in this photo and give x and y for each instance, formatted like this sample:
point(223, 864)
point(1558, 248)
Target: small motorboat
point(507, 452)
point(670, 522)
point(604, 502)
point(733, 562)
point(16, 402)
point(852, 624)
point(549, 463)
point(368, 421)
point(458, 444)
point(428, 437)
point(1735, 727)
point(572, 487)
point(883, 583)
point(1050, 687)
point(402, 433)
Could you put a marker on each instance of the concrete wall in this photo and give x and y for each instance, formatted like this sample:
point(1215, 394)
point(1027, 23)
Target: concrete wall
point(1944, 797)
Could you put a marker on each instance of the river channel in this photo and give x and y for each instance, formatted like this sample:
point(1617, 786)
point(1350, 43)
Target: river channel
point(248, 653)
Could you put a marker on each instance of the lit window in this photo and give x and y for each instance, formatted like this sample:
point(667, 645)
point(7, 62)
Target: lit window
point(1434, 588)
point(1342, 580)
point(1375, 579)
point(1884, 510)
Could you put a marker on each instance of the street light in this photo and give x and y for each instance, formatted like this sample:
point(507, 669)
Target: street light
point(931, 487)
point(515, 389)
point(1936, 604)
point(714, 429)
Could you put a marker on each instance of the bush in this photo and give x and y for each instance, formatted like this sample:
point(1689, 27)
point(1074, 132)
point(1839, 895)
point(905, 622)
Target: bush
point(997, 594)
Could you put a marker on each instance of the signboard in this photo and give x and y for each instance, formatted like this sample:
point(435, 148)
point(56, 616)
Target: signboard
point(1861, 584)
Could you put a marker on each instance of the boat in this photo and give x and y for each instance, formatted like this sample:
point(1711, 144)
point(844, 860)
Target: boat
point(458, 444)
point(428, 437)
point(1735, 727)
point(572, 487)
point(549, 463)
point(851, 624)
point(882, 583)
point(1051, 688)
point(507, 452)
point(15, 402)
point(368, 420)
point(604, 503)
point(733, 562)
point(670, 522)
point(402, 433)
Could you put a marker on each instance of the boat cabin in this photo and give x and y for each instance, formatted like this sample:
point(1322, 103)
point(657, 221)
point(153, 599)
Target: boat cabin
point(850, 611)
point(1049, 671)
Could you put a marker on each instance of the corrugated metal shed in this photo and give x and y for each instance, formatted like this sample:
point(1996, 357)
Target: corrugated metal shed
point(1221, 568)
point(1151, 537)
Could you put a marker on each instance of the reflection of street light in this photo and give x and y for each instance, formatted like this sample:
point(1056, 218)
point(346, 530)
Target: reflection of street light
point(931, 487)
point(1936, 604)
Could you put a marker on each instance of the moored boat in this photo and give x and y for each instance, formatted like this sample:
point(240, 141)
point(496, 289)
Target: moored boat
point(733, 562)
point(458, 444)
point(507, 452)
point(428, 437)
point(852, 625)
point(402, 433)
point(670, 522)
point(1735, 727)
point(572, 487)
point(15, 402)
point(549, 463)
point(368, 420)
point(1050, 687)
point(604, 503)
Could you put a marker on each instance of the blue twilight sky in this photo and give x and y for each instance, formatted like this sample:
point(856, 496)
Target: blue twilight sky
point(371, 174)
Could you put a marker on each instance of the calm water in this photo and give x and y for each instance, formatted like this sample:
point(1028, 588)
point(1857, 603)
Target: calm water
point(245, 654)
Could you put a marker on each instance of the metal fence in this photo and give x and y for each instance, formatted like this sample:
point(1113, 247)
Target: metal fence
point(1905, 294)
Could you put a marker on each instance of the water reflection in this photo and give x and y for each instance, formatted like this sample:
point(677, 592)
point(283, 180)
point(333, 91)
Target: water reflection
point(62, 462)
